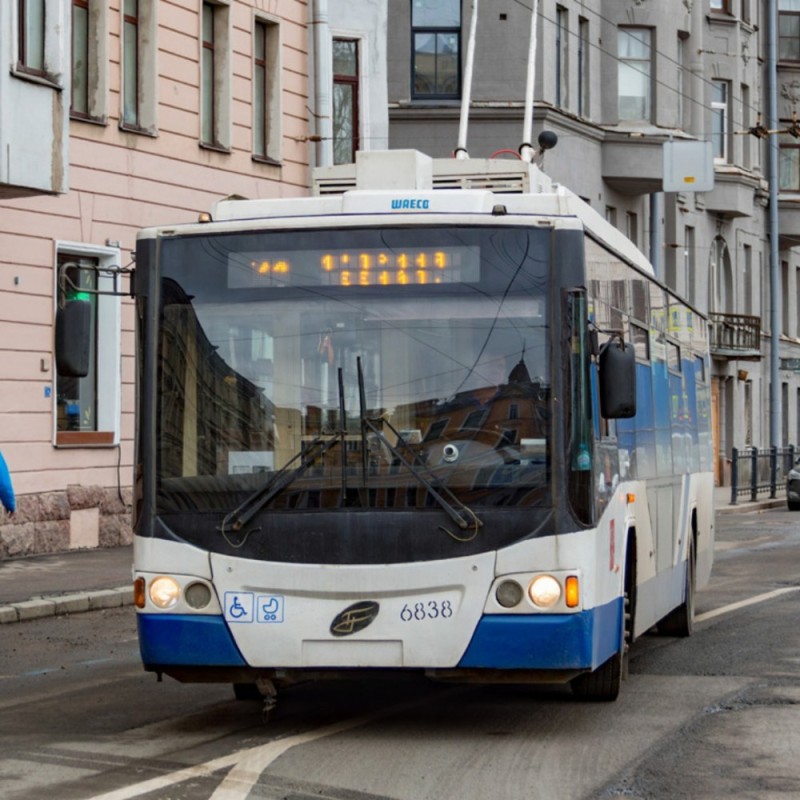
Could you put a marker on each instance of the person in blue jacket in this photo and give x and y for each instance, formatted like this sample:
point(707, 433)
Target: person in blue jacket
point(6, 489)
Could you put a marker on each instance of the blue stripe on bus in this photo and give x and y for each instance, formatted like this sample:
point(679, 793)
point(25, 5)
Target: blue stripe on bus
point(187, 640)
point(546, 641)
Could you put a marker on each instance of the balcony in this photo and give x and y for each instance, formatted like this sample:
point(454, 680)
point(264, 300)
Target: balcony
point(733, 195)
point(736, 336)
point(633, 162)
point(34, 109)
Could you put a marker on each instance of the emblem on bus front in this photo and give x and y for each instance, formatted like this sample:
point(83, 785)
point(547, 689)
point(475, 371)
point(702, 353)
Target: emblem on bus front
point(354, 618)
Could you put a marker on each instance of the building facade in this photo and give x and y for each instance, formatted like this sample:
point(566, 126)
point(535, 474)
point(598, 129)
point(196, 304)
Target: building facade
point(615, 80)
point(115, 116)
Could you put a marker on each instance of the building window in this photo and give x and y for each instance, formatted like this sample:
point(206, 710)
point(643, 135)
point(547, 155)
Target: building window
point(689, 264)
point(747, 278)
point(786, 315)
point(266, 91)
point(139, 66)
point(632, 227)
point(720, 126)
point(89, 58)
point(583, 67)
point(436, 43)
point(31, 18)
point(720, 278)
point(345, 101)
point(88, 408)
point(797, 304)
point(562, 57)
point(789, 30)
point(748, 413)
point(208, 64)
point(80, 58)
point(746, 122)
point(789, 165)
point(634, 70)
point(130, 63)
point(214, 78)
point(721, 5)
point(679, 87)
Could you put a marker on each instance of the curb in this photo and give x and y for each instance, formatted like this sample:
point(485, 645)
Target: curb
point(63, 604)
point(749, 507)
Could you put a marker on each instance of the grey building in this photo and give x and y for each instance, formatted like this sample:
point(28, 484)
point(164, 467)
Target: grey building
point(615, 80)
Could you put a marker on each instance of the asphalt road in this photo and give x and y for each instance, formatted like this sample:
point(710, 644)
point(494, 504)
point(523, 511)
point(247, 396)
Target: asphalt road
point(708, 717)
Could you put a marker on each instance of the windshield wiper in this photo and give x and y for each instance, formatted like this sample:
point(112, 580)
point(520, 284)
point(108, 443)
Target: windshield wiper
point(462, 515)
point(311, 451)
point(235, 520)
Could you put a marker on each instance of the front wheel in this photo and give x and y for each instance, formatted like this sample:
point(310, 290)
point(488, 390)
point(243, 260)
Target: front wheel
point(604, 683)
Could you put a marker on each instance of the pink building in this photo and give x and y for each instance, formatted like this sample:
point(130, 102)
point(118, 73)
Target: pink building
point(115, 116)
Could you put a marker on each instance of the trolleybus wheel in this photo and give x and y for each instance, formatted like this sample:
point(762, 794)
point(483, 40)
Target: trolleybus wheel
point(604, 683)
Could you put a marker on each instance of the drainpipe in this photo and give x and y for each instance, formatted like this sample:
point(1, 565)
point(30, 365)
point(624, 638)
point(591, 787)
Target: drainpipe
point(656, 234)
point(774, 266)
point(323, 83)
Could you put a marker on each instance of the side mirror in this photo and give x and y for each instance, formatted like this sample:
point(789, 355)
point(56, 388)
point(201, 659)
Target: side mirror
point(73, 338)
point(617, 381)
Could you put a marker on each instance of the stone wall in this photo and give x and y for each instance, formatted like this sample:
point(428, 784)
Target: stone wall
point(55, 522)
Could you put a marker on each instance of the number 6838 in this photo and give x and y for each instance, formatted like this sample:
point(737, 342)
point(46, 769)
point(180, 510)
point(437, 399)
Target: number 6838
point(426, 609)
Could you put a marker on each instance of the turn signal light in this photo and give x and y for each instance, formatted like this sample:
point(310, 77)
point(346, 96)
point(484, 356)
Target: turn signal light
point(572, 594)
point(138, 593)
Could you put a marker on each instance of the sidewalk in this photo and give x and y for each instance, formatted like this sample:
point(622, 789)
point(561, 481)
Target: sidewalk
point(722, 502)
point(86, 580)
point(65, 583)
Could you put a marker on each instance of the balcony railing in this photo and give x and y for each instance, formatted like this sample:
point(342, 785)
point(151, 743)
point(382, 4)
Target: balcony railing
point(735, 336)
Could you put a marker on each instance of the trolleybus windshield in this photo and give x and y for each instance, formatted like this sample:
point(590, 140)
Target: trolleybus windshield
point(419, 376)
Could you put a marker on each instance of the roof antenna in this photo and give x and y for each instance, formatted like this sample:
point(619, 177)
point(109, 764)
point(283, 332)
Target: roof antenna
point(466, 95)
point(526, 151)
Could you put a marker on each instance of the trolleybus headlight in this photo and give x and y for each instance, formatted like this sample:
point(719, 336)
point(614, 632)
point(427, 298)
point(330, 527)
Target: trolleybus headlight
point(508, 594)
point(544, 591)
point(197, 595)
point(164, 592)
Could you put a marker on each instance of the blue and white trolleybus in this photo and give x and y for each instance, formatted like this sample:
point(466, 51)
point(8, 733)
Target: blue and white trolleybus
point(455, 426)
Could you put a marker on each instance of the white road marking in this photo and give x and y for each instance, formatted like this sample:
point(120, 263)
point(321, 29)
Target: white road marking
point(248, 765)
point(750, 601)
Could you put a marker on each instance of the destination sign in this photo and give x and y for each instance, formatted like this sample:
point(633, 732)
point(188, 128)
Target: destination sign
point(357, 267)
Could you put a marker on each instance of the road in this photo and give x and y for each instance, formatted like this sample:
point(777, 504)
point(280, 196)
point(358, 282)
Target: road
point(713, 716)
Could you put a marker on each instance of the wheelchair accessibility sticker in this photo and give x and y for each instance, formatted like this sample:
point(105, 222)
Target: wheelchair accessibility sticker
point(239, 606)
point(246, 607)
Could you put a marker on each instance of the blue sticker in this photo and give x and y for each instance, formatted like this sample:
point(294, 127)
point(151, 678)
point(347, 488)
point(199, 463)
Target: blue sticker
point(269, 608)
point(239, 606)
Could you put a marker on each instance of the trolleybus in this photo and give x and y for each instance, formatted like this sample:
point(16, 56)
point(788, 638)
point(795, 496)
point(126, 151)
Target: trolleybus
point(455, 426)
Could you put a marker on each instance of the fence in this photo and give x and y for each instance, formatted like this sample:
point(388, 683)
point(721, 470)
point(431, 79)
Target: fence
point(755, 471)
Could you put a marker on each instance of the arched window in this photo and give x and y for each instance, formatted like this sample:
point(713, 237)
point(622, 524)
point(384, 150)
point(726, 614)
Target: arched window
point(720, 278)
